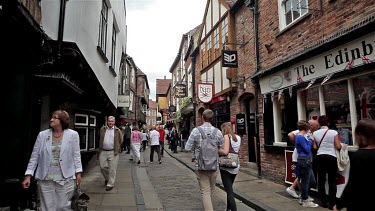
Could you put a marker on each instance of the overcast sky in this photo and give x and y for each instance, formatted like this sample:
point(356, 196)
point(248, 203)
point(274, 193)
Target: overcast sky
point(155, 29)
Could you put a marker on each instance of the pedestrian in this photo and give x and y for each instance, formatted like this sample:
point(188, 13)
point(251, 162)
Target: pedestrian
point(56, 162)
point(126, 143)
point(228, 175)
point(110, 142)
point(183, 137)
point(206, 178)
point(145, 138)
point(326, 143)
point(173, 138)
point(135, 144)
point(357, 193)
point(314, 125)
point(155, 144)
point(304, 162)
point(162, 137)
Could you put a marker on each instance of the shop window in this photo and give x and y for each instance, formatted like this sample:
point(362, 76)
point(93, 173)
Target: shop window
point(364, 91)
point(85, 125)
point(336, 101)
point(269, 135)
point(310, 98)
point(222, 113)
point(345, 103)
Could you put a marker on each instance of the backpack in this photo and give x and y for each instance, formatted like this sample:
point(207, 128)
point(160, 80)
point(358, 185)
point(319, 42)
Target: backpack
point(207, 158)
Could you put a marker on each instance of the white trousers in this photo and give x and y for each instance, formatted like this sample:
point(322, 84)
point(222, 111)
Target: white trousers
point(108, 166)
point(54, 196)
point(136, 150)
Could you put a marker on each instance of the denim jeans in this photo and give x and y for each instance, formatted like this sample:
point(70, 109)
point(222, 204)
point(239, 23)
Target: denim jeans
point(228, 180)
point(183, 142)
point(306, 175)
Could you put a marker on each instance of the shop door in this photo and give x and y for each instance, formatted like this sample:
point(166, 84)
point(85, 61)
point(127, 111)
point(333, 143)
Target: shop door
point(250, 122)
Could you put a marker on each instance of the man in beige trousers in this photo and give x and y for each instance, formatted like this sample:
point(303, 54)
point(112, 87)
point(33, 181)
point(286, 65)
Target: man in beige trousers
point(110, 142)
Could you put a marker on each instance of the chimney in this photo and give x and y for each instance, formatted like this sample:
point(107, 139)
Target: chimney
point(165, 77)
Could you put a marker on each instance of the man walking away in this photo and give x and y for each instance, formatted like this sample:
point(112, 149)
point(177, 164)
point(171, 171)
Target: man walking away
point(207, 140)
point(127, 135)
point(161, 139)
point(110, 142)
point(155, 144)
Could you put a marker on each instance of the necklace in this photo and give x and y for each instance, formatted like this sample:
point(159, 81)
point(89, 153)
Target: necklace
point(57, 136)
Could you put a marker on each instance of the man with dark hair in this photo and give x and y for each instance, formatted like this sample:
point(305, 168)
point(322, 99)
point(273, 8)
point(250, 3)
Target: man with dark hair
point(206, 178)
point(126, 144)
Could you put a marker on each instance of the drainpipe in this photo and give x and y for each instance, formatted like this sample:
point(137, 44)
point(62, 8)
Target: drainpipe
point(193, 59)
point(253, 5)
point(61, 27)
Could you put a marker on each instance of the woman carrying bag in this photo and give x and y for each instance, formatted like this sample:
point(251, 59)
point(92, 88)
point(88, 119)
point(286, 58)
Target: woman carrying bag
point(232, 143)
point(326, 143)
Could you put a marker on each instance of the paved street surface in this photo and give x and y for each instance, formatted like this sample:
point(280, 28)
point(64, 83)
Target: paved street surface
point(173, 186)
point(149, 186)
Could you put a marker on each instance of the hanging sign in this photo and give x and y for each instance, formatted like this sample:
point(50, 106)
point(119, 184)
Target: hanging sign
point(180, 90)
point(241, 124)
point(229, 58)
point(205, 92)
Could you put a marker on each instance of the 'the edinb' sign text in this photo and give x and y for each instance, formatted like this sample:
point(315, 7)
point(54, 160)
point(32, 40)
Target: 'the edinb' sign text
point(205, 92)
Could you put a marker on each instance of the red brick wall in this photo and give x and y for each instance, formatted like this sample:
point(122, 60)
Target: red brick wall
point(338, 15)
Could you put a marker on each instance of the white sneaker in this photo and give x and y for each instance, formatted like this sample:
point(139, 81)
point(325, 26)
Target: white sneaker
point(307, 203)
point(300, 201)
point(292, 192)
point(310, 198)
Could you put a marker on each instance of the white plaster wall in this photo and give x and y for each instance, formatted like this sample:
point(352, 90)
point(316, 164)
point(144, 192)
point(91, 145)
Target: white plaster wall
point(82, 27)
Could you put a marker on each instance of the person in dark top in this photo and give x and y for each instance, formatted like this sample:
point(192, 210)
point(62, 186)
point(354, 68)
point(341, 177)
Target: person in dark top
point(362, 171)
point(126, 143)
point(173, 138)
point(184, 136)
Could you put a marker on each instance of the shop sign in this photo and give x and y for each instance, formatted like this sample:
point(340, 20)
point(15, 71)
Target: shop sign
point(353, 54)
point(205, 92)
point(229, 58)
point(251, 128)
point(240, 124)
point(123, 101)
point(180, 90)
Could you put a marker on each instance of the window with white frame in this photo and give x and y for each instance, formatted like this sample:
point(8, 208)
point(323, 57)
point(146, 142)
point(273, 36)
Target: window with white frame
point(153, 122)
point(153, 113)
point(216, 43)
point(85, 125)
point(103, 27)
point(113, 51)
point(291, 11)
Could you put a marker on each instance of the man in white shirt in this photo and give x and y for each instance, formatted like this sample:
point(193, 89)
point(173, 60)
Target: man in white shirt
point(155, 145)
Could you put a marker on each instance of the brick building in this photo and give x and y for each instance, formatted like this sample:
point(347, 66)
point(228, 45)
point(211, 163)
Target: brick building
point(296, 60)
point(151, 114)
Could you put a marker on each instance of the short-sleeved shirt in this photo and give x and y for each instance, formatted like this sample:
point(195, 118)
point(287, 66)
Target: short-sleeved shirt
point(162, 134)
point(144, 136)
point(328, 145)
point(136, 137)
point(154, 136)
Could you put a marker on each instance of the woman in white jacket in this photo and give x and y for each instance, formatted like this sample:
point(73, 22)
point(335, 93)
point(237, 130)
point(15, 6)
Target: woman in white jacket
point(55, 163)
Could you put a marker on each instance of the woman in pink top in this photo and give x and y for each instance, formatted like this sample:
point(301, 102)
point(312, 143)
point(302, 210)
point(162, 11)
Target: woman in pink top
point(135, 144)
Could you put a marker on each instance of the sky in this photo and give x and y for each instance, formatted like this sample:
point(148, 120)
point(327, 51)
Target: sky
point(155, 29)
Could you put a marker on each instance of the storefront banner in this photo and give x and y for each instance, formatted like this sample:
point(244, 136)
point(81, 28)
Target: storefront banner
point(290, 174)
point(336, 60)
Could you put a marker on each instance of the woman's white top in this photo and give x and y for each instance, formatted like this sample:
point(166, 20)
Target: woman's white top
point(328, 145)
point(144, 136)
point(236, 147)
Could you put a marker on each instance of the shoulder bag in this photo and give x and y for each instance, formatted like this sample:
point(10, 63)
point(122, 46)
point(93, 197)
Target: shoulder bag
point(231, 160)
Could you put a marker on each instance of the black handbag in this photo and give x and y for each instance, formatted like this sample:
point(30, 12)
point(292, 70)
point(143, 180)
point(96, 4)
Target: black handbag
point(79, 201)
